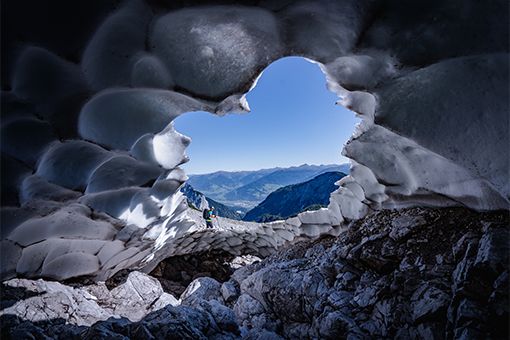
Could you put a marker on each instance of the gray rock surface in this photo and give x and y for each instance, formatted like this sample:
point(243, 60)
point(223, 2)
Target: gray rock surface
point(139, 295)
point(203, 288)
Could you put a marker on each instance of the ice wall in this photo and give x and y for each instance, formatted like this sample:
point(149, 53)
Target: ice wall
point(90, 158)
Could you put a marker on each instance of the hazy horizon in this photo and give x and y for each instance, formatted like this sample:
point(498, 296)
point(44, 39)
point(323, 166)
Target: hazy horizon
point(293, 121)
point(274, 167)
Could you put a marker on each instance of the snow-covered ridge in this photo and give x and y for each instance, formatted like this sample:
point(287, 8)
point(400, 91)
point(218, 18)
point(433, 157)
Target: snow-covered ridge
point(91, 158)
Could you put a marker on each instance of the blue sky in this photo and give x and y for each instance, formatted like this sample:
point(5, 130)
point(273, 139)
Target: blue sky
point(293, 120)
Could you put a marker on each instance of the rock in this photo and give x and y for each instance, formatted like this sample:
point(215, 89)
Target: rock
point(164, 300)
point(366, 296)
point(203, 288)
point(470, 313)
point(383, 317)
point(55, 301)
point(113, 328)
point(187, 323)
point(429, 331)
point(224, 317)
point(229, 292)
point(463, 271)
point(493, 251)
point(246, 307)
point(257, 334)
point(429, 303)
point(459, 249)
point(134, 297)
point(132, 300)
point(339, 299)
point(295, 330)
point(14, 328)
point(336, 325)
point(498, 301)
point(467, 333)
point(402, 226)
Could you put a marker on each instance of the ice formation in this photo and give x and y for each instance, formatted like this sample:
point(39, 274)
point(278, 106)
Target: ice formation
point(90, 158)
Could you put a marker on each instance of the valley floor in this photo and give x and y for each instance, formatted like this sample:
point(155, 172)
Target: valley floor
point(409, 274)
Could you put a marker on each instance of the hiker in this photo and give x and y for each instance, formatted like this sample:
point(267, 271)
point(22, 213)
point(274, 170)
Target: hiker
point(208, 215)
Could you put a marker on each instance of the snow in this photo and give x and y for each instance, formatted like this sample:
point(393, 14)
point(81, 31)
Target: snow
point(117, 118)
point(112, 202)
point(169, 147)
point(70, 164)
point(68, 222)
point(143, 210)
point(164, 188)
point(361, 71)
point(70, 265)
point(14, 141)
point(110, 54)
point(191, 43)
point(10, 256)
point(36, 188)
point(12, 217)
point(143, 149)
point(465, 96)
point(120, 172)
point(412, 169)
point(323, 30)
point(44, 79)
point(90, 152)
point(420, 34)
point(149, 71)
point(350, 207)
point(235, 103)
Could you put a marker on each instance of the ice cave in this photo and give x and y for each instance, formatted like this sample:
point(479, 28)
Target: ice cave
point(413, 244)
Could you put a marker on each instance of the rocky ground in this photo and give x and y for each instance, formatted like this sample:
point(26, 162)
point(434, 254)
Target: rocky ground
point(409, 274)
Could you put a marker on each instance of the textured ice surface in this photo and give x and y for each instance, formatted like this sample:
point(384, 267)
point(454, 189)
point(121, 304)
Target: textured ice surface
point(324, 30)
point(120, 172)
point(46, 80)
point(15, 142)
point(117, 118)
point(110, 54)
point(193, 44)
point(149, 71)
point(70, 164)
point(466, 97)
point(90, 177)
point(37, 188)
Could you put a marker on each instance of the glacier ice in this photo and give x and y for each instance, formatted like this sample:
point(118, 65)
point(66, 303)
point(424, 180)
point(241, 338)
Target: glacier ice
point(90, 158)
point(118, 118)
point(191, 43)
point(111, 53)
point(15, 143)
point(46, 80)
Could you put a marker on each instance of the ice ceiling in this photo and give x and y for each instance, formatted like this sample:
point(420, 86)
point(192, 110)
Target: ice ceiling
point(90, 157)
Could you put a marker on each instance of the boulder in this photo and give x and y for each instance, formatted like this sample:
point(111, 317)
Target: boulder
point(202, 288)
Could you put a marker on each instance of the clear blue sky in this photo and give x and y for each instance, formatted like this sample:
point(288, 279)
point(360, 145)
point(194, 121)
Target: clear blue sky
point(293, 120)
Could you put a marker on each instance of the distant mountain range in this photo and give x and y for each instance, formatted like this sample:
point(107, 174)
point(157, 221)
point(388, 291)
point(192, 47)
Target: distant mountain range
point(293, 199)
point(246, 189)
point(197, 200)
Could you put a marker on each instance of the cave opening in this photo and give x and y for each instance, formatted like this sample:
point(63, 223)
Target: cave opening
point(293, 124)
